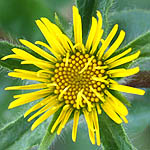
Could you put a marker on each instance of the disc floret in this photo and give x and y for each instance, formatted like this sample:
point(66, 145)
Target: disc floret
point(81, 80)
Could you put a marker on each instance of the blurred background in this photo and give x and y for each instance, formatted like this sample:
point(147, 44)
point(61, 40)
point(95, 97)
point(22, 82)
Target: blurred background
point(17, 20)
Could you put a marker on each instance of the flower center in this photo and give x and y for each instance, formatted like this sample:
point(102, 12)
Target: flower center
point(80, 80)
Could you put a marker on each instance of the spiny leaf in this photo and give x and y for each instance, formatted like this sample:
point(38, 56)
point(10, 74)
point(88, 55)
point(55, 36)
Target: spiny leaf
point(113, 135)
point(87, 8)
point(13, 131)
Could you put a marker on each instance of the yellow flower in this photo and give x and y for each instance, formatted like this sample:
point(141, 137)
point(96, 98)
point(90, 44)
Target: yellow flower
point(74, 78)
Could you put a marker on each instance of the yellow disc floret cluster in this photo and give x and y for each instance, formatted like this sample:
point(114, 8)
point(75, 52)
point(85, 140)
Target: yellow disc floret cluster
point(78, 76)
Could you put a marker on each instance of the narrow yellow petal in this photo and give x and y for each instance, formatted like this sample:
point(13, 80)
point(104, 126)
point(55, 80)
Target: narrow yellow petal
point(96, 125)
point(126, 73)
point(70, 43)
point(67, 59)
point(127, 89)
point(64, 121)
point(51, 105)
point(63, 92)
point(107, 42)
point(42, 65)
point(124, 60)
point(79, 98)
point(55, 49)
point(11, 56)
point(40, 104)
point(29, 97)
point(75, 125)
point(115, 71)
point(97, 36)
point(98, 108)
point(23, 54)
point(87, 64)
point(37, 50)
point(101, 67)
point(90, 126)
point(88, 102)
point(96, 41)
point(101, 79)
point(28, 57)
point(44, 117)
point(56, 33)
point(119, 106)
point(35, 93)
point(110, 112)
point(118, 56)
point(77, 26)
point(51, 50)
point(115, 45)
point(27, 76)
point(60, 118)
point(27, 87)
point(91, 34)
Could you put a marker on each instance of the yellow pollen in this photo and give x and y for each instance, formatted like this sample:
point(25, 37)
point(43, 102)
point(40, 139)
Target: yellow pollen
point(80, 80)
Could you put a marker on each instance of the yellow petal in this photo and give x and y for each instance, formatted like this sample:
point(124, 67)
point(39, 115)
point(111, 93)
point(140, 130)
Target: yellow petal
point(97, 36)
point(119, 107)
point(107, 42)
point(118, 56)
point(11, 56)
point(27, 87)
point(29, 97)
point(115, 45)
point(75, 125)
point(40, 104)
point(127, 89)
point(77, 24)
point(51, 105)
point(111, 113)
point(37, 50)
point(44, 117)
point(60, 118)
point(124, 60)
point(126, 73)
point(91, 34)
point(96, 125)
point(55, 33)
point(64, 121)
point(55, 48)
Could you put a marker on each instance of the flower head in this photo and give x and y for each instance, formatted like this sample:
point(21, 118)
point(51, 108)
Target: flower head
point(75, 78)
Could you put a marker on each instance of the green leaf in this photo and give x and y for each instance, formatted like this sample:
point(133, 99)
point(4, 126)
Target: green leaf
point(13, 131)
point(17, 134)
point(139, 120)
point(105, 8)
point(6, 115)
point(113, 136)
point(87, 8)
